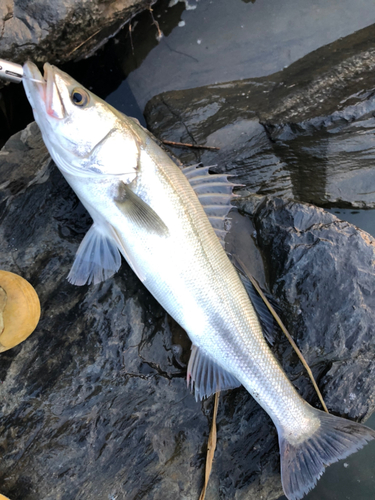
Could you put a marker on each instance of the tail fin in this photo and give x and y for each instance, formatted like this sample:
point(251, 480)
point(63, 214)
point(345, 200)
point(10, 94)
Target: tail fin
point(302, 464)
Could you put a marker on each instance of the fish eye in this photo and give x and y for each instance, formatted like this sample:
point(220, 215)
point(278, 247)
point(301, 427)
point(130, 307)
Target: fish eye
point(79, 97)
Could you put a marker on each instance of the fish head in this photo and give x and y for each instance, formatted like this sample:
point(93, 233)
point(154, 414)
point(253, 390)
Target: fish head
point(82, 132)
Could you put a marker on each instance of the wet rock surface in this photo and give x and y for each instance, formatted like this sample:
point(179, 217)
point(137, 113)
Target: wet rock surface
point(312, 121)
point(321, 270)
point(62, 30)
point(95, 404)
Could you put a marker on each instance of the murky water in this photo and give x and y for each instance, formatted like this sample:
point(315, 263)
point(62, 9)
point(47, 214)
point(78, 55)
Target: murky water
point(364, 219)
point(207, 42)
point(220, 41)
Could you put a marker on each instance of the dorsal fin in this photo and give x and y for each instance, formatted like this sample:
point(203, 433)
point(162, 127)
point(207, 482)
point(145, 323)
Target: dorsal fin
point(270, 327)
point(215, 194)
point(207, 376)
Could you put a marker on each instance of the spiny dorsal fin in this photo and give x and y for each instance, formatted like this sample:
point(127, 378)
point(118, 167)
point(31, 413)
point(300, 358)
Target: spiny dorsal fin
point(207, 376)
point(214, 191)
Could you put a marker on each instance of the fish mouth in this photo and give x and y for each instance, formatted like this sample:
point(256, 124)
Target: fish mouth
point(42, 90)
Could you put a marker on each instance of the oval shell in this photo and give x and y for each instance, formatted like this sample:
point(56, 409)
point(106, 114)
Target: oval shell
point(20, 308)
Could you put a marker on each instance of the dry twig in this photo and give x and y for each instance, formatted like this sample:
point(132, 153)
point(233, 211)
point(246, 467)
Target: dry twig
point(287, 334)
point(131, 38)
point(160, 33)
point(87, 39)
point(211, 446)
point(188, 145)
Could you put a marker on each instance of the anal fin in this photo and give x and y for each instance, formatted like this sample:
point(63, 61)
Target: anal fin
point(97, 258)
point(207, 376)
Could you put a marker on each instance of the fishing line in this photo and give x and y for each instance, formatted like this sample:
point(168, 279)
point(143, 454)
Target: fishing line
point(34, 80)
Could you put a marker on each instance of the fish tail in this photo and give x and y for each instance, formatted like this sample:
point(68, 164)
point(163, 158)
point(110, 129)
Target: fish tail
point(303, 463)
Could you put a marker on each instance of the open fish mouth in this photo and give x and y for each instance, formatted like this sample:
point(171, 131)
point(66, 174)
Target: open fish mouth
point(42, 90)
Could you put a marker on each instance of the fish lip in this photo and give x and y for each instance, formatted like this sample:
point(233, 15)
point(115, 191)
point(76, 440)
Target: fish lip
point(35, 91)
point(30, 70)
point(51, 93)
point(42, 93)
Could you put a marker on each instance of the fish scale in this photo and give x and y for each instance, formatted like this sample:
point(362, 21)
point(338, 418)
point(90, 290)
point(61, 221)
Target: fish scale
point(144, 207)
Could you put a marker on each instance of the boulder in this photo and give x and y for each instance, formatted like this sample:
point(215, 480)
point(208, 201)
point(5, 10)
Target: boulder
point(320, 269)
point(62, 30)
point(306, 132)
point(95, 403)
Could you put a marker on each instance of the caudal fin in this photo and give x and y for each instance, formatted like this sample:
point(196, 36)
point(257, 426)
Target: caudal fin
point(302, 464)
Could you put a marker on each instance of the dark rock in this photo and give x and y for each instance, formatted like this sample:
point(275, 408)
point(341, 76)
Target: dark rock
point(321, 270)
point(62, 30)
point(335, 153)
point(95, 403)
point(306, 132)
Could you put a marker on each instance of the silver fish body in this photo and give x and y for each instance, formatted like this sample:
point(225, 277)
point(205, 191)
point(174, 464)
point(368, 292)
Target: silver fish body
point(144, 206)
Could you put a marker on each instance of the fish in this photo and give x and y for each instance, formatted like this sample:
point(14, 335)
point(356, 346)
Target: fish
point(169, 223)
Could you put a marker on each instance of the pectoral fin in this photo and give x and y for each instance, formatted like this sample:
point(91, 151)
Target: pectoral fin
point(141, 214)
point(207, 376)
point(97, 258)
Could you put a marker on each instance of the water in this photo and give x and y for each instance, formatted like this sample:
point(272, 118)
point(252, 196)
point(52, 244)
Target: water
point(221, 41)
point(364, 219)
point(203, 42)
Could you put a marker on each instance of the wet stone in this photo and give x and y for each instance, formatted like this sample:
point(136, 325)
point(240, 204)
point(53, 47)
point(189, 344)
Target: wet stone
point(335, 153)
point(321, 271)
point(306, 133)
point(62, 30)
point(95, 402)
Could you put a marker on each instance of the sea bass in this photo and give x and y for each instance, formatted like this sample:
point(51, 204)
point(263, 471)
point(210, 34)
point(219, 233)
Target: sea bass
point(168, 223)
